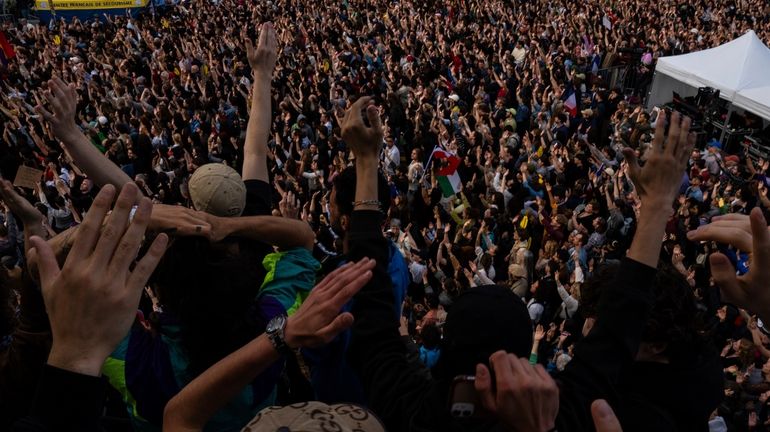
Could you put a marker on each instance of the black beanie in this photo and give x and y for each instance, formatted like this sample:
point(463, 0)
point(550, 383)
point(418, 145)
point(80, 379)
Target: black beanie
point(484, 320)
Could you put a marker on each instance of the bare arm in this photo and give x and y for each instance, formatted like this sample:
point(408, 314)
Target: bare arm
point(262, 61)
point(316, 323)
point(278, 231)
point(191, 408)
point(63, 99)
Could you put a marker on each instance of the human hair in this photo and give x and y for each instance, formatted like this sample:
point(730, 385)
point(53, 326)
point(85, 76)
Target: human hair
point(345, 190)
point(212, 294)
point(673, 319)
point(430, 336)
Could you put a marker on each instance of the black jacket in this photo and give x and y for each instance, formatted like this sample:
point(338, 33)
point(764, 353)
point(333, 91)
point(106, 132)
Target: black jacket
point(407, 400)
point(65, 401)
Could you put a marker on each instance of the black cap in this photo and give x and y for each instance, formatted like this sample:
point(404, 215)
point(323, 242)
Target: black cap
point(484, 320)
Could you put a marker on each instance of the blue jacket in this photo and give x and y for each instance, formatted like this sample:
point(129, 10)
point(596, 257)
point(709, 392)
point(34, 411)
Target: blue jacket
point(331, 376)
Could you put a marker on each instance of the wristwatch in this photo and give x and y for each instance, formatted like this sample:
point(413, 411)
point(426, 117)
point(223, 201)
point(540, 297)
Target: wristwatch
point(275, 332)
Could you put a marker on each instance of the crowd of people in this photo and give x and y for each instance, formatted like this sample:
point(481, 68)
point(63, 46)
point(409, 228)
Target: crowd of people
point(371, 215)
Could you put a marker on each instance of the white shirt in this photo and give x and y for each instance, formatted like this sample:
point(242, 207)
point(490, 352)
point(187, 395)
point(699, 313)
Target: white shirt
point(391, 154)
point(417, 271)
point(414, 174)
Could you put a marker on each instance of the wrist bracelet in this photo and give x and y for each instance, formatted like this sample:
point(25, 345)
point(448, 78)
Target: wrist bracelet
point(367, 202)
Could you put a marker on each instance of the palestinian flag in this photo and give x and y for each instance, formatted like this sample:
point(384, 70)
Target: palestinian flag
point(446, 175)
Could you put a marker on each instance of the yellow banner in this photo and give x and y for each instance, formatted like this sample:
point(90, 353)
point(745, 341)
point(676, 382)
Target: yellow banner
point(45, 5)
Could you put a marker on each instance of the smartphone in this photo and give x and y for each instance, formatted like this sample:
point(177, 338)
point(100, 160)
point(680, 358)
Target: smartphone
point(464, 401)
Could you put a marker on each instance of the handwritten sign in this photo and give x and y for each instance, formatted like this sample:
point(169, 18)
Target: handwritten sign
point(27, 177)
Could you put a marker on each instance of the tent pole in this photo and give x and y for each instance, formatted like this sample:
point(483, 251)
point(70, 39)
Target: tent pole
point(724, 127)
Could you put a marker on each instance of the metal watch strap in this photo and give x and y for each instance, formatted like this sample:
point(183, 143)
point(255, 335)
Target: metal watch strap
point(278, 343)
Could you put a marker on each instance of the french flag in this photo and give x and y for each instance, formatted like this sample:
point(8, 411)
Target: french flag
point(570, 102)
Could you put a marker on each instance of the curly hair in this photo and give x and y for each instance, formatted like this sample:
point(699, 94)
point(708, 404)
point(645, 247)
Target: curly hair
point(673, 319)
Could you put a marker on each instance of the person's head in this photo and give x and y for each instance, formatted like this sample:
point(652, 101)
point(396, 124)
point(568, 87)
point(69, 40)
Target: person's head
point(600, 225)
point(395, 226)
point(210, 288)
point(482, 320)
point(430, 335)
point(671, 331)
point(344, 194)
point(578, 240)
point(417, 155)
point(217, 189)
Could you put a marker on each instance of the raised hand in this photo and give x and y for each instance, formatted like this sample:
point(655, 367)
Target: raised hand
point(63, 100)
point(262, 58)
point(364, 141)
point(92, 301)
point(319, 320)
point(660, 178)
point(526, 398)
point(289, 206)
point(748, 233)
point(657, 185)
point(23, 209)
point(539, 333)
point(732, 228)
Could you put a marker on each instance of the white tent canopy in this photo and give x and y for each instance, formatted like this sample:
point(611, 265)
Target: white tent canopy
point(755, 100)
point(738, 69)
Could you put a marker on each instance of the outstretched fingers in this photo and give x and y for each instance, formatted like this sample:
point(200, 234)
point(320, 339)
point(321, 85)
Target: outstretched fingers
point(660, 132)
point(267, 35)
point(722, 233)
point(330, 279)
point(131, 241)
point(723, 273)
point(761, 240)
point(341, 323)
point(116, 226)
point(672, 140)
point(88, 231)
point(633, 165)
point(47, 266)
point(345, 292)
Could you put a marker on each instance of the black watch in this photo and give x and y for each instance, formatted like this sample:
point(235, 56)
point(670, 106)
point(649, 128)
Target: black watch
point(275, 332)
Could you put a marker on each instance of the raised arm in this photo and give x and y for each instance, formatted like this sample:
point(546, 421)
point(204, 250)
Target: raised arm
point(63, 100)
point(376, 350)
point(316, 323)
point(91, 303)
point(625, 305)
point(262, 61)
